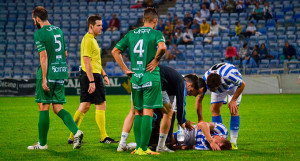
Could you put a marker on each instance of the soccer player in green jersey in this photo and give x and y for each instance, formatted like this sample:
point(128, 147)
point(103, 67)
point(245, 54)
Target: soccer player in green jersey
point(51, 73)
point(146, 47)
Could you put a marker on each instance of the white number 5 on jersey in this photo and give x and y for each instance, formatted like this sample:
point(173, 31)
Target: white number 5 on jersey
point(57, 42)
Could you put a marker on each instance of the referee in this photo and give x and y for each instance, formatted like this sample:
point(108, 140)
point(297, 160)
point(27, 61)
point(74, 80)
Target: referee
point(92, 90)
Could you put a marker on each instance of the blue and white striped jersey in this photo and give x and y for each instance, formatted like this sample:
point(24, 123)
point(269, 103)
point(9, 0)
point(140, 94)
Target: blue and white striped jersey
point(201, 142)
point(230, 76)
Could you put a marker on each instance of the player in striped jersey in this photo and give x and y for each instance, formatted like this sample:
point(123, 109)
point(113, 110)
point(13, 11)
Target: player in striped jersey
point(210, 136)
point(225, 81)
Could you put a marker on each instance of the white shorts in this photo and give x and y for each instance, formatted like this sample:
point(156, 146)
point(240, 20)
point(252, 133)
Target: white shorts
point(169, 99)
point(223, 97)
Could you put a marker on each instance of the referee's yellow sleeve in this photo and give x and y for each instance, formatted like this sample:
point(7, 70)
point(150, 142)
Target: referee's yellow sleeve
point(88, 48)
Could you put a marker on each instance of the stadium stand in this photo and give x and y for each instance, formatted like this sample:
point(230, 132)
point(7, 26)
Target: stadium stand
point(19, 58)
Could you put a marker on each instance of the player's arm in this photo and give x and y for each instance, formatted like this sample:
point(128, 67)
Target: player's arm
point(89, 73)
point(105, 77)
point(198, 105)
point(119, 59)
point(159, 53)
point(206, 127)
point(66, 54)
point(233, 103)
point(44, 67)
point(180, 102)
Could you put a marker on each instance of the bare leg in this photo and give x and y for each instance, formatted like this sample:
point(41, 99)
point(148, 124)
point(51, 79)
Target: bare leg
point(128, 122)
point(165, 127)
point(127, 126)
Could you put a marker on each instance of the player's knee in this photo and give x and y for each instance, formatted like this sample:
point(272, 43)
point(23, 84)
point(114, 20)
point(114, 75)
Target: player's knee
point(215, 112)
point(43, 107)
point(234, 114)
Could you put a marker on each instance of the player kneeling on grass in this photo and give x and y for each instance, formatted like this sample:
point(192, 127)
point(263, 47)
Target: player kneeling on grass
point(205, 136)
point(53, 70)
point(175, 88)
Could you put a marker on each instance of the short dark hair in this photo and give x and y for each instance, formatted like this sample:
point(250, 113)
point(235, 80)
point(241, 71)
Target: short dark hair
point(150, 14)
point(92, 20)
point(226, 145)
point(192, 78)
point(245, 44)
point(40, 12)
point(213, 80)
point(202, 84)
point(237, 23)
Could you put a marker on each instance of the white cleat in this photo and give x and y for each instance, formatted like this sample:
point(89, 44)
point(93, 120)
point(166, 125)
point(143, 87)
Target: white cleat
point(37, 146)
point(131, 146)
point(122, 148)
point(164, 149)
point(77, 139)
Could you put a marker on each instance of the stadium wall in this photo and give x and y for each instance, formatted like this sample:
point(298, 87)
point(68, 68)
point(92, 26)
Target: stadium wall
point(260, 84)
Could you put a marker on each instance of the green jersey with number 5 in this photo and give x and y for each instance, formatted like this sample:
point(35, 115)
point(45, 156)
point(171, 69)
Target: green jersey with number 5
point(51, 39)
point(142, 43)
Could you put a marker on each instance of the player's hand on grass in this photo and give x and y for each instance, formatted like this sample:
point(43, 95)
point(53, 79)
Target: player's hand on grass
point(106, 80)
point(152, 65)
point(92, 88)
point(44, 85)
point(189, 125)
point(129, 73)
point(233, 107)
point(214, 146)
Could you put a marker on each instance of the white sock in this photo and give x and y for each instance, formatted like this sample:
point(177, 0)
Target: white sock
point(233, 136)
point(124, 137)
point(162, 139)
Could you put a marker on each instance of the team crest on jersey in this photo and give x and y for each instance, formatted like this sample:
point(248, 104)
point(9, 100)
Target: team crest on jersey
point(142, 31)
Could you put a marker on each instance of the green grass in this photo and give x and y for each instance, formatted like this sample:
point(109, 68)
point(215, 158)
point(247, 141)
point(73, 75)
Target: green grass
point(269, 130)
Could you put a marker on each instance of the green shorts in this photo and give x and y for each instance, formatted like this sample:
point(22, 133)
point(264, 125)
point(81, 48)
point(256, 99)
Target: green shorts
point(56, 94)
point(148, 96)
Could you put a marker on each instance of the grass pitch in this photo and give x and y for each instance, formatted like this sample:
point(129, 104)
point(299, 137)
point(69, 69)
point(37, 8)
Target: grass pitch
point(269, 130)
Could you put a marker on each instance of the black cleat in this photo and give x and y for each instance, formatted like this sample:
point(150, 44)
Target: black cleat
point(109, 140)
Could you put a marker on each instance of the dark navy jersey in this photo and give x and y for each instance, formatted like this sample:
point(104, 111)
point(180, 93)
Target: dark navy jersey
point(174, 84)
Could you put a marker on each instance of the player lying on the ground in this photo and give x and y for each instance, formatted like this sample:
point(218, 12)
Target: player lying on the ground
point(224, 81)
point(173, 85)
point(205, 136)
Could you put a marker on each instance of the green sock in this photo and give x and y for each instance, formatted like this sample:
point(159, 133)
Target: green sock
point(43, 127)
point(137, 130)
point(68, 120)
point(146, 130)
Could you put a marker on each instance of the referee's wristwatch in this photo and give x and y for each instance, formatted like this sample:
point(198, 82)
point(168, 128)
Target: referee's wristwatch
point(92, 81)
point(105, 76)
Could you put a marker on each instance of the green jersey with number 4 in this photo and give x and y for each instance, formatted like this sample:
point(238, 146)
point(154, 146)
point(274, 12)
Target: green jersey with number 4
point(51, 39)
point(142, 43)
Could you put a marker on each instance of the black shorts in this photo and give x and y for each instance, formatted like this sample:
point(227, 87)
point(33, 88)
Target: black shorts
point(98, 96)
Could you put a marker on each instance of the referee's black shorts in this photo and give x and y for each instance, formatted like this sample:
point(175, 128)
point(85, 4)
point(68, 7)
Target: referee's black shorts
point(98, 96)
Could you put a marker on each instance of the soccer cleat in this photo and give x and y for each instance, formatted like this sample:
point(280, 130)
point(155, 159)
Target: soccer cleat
point(140, 151)
point(109, 140)
point(77, 139)
point(131, 146)
point(122, 148)
point(37, 146)
point(133, 152)
point(234, 146)
point(70, 141)
point(150, 152)
point(163, 149)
